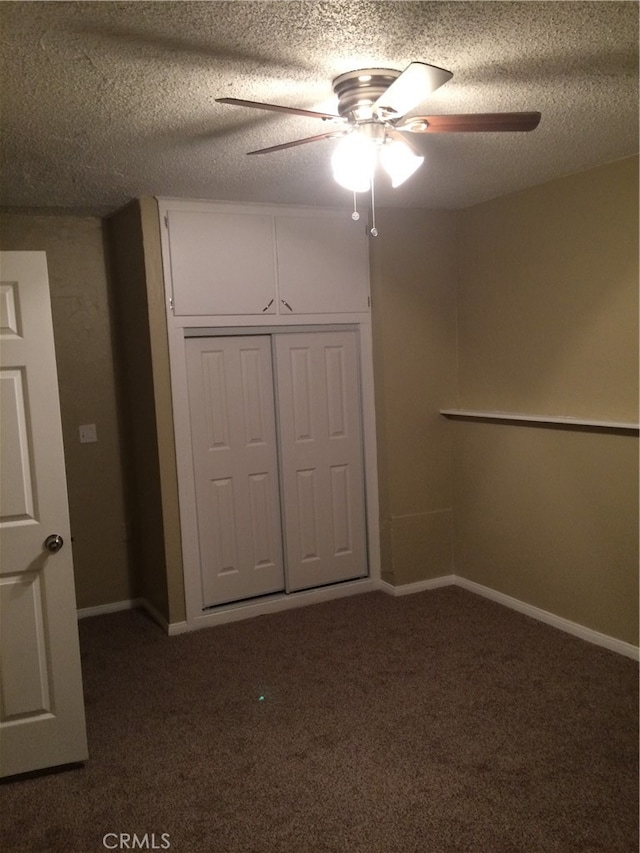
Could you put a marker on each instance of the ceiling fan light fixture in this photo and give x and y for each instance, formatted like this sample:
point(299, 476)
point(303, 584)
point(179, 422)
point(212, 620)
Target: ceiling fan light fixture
point(399, 161)
point(353, 162)
point(373, 108)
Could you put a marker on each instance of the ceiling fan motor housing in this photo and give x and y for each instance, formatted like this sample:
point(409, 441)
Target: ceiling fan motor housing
point(358, 90)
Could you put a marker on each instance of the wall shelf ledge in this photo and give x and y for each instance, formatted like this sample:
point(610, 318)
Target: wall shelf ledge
point(550, 421)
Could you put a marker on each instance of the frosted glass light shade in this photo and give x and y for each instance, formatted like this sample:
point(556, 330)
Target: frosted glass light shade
point(353, 162)
point(399, 161)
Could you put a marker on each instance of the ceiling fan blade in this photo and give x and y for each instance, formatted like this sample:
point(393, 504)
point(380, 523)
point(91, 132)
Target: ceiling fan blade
point(284, 145)
point(471, 123)
point(414, 84)
point(238, 102)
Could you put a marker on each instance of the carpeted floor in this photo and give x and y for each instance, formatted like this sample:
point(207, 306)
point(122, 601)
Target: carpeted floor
point(423, 724)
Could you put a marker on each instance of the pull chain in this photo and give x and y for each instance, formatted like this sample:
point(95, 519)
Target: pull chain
point(355, 215)
point(374, 230)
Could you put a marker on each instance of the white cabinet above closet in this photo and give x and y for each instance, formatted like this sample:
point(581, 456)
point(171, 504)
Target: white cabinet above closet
point(223, 259)
point(322, 264)
point(221, 262)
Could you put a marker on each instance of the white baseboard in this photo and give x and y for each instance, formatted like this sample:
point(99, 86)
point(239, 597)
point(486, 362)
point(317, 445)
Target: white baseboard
point(113, 607)
point(277, 603)
point(170, 628)
point(130, 604)
point(315, 596)
point(234, 612)
point(577, 630)
point(588, 634)
point(418, 586)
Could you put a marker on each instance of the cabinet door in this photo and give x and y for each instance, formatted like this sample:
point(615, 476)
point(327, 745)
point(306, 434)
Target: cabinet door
point(222, 263)
point(235, 466)
point(323, 264)
point(321, 458)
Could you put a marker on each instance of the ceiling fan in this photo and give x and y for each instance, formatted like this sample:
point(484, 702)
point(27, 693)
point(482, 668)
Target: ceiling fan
point(372, 119)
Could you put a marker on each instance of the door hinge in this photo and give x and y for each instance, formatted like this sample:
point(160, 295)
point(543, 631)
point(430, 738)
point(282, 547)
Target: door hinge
point(171, 302)
point(166, 221)
point(369, 301)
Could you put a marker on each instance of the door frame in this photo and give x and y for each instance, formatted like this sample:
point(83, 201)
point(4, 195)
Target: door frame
point(181, 328)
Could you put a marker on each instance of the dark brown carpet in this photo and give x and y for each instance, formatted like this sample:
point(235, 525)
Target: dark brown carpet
point(429, 723)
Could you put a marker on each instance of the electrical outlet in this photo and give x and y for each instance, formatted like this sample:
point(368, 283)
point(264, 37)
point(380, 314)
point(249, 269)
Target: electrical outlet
point(88, 433)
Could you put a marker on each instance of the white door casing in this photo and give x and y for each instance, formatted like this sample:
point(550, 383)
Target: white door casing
point(235, 467)
point(321, 457)
point(42, 721)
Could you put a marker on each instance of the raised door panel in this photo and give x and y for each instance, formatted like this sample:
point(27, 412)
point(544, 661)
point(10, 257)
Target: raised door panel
point(222, 263)
point(232, 413)
point(321, 458)
point(16, 484)
point(25, 672)
point(323, 265)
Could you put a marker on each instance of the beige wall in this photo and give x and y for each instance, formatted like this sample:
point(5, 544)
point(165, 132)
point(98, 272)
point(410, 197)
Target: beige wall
point(84, 352)
point(413, 267)
point(548, 324)
point(134, 248)
point(548, 309)
point(550, 517)
point(158, 336)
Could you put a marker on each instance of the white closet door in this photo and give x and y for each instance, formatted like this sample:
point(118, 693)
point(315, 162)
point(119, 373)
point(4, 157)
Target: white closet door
point(321, 457)
point(235, 465)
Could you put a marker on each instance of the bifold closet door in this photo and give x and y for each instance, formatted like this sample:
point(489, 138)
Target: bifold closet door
point(321, 458)
point(235, 464)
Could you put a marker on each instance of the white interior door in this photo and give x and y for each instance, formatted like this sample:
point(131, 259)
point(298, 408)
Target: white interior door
point(235, 462)
point(321, 457)
point(42, 720)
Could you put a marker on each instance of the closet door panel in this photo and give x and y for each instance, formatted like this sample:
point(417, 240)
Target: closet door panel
point(321, 458)
point(232, 413)
point(307, 516)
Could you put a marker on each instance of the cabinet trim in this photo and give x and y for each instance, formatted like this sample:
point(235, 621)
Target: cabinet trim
point(220, 331)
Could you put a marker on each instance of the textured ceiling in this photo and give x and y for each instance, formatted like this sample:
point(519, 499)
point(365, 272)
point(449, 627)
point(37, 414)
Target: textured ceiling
point(103, 102)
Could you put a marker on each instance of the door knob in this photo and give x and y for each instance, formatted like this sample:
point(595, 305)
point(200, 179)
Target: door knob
point(53, 543)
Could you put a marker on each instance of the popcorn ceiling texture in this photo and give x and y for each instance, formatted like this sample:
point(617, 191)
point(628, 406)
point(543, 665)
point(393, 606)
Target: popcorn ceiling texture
point(104, 102)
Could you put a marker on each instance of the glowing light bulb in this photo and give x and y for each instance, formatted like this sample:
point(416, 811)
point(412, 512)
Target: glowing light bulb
point(399, 161)
point(353, 162)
